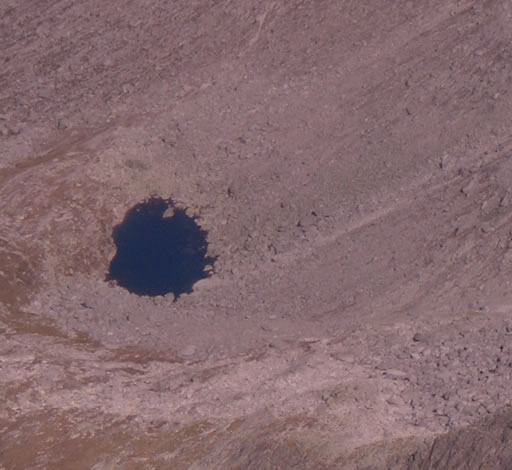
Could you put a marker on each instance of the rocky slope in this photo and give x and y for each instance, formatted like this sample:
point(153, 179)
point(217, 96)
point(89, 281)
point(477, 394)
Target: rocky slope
point(351, 164)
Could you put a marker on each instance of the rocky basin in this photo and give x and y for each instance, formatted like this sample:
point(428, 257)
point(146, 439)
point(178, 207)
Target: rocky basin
point(350, 164)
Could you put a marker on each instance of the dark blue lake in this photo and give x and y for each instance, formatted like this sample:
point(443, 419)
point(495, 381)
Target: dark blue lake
point(157, 255)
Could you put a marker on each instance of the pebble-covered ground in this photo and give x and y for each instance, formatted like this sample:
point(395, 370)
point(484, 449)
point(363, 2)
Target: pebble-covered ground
point(350, 165)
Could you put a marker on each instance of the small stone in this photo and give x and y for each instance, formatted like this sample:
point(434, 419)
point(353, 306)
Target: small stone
point(395, 400)
point(418, 337)
point(189, 350)
point(396, 374)
point(348, 359)
point(127, 88)
point(63, 123)
point(169, 212)
point(384, 365)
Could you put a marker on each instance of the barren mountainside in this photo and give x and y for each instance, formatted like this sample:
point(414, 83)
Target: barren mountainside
point(349, 165)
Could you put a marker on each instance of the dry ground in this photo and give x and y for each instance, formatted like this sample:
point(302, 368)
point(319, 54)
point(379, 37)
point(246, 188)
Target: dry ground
point(352, 164)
